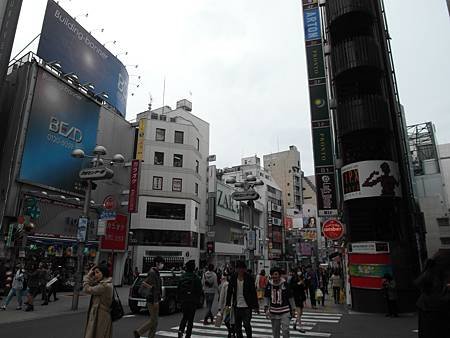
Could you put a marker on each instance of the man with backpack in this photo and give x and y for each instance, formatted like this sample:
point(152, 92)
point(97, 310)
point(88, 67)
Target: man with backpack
point(189, 291)
point(210, 288)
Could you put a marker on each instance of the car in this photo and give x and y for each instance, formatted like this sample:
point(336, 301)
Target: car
point(169, 298)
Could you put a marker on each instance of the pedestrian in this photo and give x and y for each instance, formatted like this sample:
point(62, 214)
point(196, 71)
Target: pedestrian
point(98, 284)
point(390, 293)
point(210, 288)
point(242, 294)
point(222, 309)
point(153, 283)
point(189, 291)
point(261, 283)
point(434, 299)
point(44, 277)
point(336, 284)
point(312, 283)
point(32, 281)
point(54, 282)
point(136, 272)
point(323, 284)
point(16, 290)
point(280, 305)
point(298, 288)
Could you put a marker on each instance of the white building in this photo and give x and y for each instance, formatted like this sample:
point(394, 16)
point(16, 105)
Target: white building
point(171, 218)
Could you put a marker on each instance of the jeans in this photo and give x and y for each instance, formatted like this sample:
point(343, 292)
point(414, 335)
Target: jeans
point(209, 302)
point(188, 310)
point(152, 323)
point(280, 321)
point(243, 315)
point(14, 292)
point(336, 294)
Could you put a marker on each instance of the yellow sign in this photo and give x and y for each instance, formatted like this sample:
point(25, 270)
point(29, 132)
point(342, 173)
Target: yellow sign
point(140, 140)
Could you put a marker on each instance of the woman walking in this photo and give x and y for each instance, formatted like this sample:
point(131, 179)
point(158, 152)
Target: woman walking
point(222, 304)
point(98, 284)
point(298, 288)
point(16, 290)
point(261, 283)
point(336, 284)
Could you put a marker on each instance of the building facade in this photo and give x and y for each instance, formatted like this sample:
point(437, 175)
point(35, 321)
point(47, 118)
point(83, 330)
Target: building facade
point(171, 217)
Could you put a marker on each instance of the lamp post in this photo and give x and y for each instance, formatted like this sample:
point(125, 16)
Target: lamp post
point(101, 173)
point(248, 194)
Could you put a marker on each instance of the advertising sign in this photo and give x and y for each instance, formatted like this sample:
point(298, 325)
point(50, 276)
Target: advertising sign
point(333, 229)
point(326, 191)
point(140, 140)
point(251, 240)
point(311, 20)
point(65, 40)
point(305, 249)
point(226, 206)
point(319, 102)
point(61, 120)
point(314, 59)
point(82, 228)
point(369, 247)
point(115, 237)
point(309, 235)
point(371, 179)
point(133, 198)
point(369, 270)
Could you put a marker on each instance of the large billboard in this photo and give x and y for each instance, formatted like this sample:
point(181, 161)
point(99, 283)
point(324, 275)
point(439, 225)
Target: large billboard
point(61, 120)
point(66, 41)
point(371, 179)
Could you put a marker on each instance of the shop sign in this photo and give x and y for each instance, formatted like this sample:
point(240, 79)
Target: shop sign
point(140, 140)
point(251, 240)
point(115, 237)
point(110, 203)
point(134, 187)
point(369, 270)
point(108, 215)
point(82, 228)
point(333, 229)
point(369, 247)
point(10, 235)
point(101, 227)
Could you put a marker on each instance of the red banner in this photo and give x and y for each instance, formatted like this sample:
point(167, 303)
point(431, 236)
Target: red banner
point(115, 237)
point(134, 187)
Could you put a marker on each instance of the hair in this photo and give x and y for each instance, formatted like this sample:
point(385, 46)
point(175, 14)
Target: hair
point(275, 269)
point(241, 265)
point(263, 272)
point(104, 270)
point(158, 259)
point(210, 267)
point(436, 273)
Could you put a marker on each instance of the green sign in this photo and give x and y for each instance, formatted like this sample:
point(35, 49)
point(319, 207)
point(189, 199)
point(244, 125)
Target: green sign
point(319, 102)
point(314, 58)
point(322, 146)
point(34, 212)
point(369, 270)
point(10, 235)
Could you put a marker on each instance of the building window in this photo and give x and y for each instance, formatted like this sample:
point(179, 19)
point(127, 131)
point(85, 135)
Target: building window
point(157, 183)
point(198, 144)
point(159, 158)
point(160, 134)
point(197, 166)
point(177, 184)
point(179, 137)
point(196, 188)
point(196, 213)
point(289, 194)
point(166, 211)
point(288, 184)
point(171, 238)
point(445, 240)
point(443, 222)
point(178, 160)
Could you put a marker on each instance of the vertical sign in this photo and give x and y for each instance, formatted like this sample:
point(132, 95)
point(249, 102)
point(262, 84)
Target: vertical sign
point(140, 140)
point(324, 167)
point(134, 187)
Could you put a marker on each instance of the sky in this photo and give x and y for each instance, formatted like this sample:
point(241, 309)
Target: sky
point(242, 63)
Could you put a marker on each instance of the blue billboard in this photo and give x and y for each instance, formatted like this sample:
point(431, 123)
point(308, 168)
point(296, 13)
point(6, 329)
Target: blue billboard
point(311, 21)
point(61, 120)
point(66, 41)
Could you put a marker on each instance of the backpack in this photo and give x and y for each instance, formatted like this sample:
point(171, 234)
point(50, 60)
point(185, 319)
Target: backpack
point(208, 284)
point(116, 309)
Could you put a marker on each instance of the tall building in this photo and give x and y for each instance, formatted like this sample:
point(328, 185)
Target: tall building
point(171, 218)
point(378, 204)
point(286, 171)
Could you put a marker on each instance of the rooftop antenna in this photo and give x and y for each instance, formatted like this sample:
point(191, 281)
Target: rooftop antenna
point(150, 100)
point(164, 93)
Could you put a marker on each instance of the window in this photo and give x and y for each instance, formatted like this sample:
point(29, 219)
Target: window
point(197, 165)
point(173, 238)
point(178, 160)
point(179, 137)
point(177, 184)
point(445, 240)
point(198, 144)
point(196, 188)
point(289, 194)
point(160, 134)
point(159, 158)
point(157, 182)
point(288, 184)
point(166, 211)
point(196, 213)
point(443, 222)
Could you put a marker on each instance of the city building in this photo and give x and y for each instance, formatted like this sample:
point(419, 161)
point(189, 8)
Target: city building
point(171, 217)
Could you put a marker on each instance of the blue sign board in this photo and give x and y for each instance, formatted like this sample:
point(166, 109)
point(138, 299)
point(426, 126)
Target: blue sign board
point(311, 21)
point(66, 41)
point(82, 228)
point(61, 120)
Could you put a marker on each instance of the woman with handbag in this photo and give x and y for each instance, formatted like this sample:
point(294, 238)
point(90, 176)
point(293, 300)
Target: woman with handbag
point(98, 284)
point(261, 283)
point(223, 313)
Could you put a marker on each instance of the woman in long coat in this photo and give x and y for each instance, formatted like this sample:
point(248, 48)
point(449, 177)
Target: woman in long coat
point(98, 284)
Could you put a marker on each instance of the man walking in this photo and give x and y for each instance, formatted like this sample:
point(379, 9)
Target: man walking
point(312, 281)
point(279, 304)
point(153, 281)
point(210, 288)
point(16, 290)
point(189, 291)
point(242, 295)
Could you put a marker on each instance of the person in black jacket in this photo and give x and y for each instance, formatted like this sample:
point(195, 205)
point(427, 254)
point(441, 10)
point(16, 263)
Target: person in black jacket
point(241, 295)
point(298, 287)
point(434, 300)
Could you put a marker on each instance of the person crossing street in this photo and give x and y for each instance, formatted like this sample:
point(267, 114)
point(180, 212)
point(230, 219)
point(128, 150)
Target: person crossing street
point(210, 288)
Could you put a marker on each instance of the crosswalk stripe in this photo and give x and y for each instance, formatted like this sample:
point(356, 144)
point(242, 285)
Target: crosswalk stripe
point(303, 316)
point(224, 333)
point(259, 321)
point(322, 313)
point(255, 329)
point(254, 325)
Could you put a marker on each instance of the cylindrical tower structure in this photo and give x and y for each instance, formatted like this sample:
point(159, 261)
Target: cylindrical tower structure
point(378, 205)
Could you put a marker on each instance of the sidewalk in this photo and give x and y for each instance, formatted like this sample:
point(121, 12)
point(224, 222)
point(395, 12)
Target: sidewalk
point(59, 308)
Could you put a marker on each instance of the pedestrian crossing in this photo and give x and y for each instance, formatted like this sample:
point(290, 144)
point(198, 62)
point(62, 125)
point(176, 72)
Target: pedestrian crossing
point(262, 327)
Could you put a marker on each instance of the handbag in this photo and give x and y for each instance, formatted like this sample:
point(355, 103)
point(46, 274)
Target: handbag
point(218, 320)
point(319, 293)
point(51, 282)
point(116, 309)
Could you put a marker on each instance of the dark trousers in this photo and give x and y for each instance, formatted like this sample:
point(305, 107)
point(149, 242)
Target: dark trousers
point(392, 307)
point(243, 315)
point(323, 298)
point(336, 294)
point(209, 303)
point(312, 294)
point(188, 310)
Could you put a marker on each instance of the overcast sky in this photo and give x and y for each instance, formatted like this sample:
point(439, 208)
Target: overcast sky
point(244, 62)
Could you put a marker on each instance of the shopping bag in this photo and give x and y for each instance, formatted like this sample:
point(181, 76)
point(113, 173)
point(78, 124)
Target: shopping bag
point(319, 294)
point(260, 294)
point(51, 282)
point(218, 320)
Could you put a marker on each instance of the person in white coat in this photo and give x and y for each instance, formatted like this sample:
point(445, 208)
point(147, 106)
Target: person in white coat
point(222, 304)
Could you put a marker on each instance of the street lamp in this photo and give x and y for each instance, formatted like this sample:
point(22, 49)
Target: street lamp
point(89, 175)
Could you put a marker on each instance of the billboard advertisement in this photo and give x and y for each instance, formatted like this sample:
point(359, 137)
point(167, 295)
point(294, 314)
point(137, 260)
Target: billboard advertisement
point(61, 120)
point(133, 197)
point(115, 237)
point(64, 40)
point(371, 179)
point(311, 20)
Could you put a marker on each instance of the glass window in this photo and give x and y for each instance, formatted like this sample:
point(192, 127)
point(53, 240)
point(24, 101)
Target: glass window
point(160, 134)
point(198, 144)
point(166, 211)
point(177, 184)
point(172, 238)
point(197, 165)
point(178, 160)
point(196, 213)
point(179, 137)
point(159, 158)
point(157, 182)
point(196, 188)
